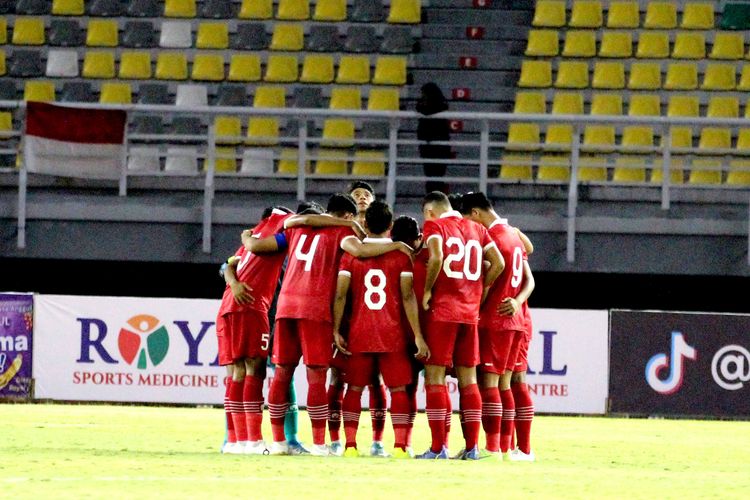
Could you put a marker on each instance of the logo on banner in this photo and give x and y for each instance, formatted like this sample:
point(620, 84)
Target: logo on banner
point(730, 367)
point(674, 362)
point(148, 341)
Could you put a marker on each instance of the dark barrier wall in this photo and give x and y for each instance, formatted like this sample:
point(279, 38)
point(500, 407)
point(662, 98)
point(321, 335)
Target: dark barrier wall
point(665, 363)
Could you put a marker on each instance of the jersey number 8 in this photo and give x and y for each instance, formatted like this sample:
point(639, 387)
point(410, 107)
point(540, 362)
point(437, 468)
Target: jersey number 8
point(375, 294)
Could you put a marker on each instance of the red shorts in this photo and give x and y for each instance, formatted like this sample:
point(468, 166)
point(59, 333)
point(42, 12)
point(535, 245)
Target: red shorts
point(522, 361)
point(499, 349)
point(394, 366)
point(242, 335)
point(307, 338)
point(452, 343)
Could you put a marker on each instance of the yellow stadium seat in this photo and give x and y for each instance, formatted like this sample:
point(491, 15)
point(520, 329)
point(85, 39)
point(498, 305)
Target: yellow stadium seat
point(728, 46)
point(606, 104)
point(3, 31)
point(542, 43)
point(330, 10)
point(739, 172)
point(405, 11)
point(567, 103)
point(389, 71)
point(317, 68)
point(516, 167)
point(244, 68)
point(179, 8)
point(631, 168)
point(102, 33)
point(592, 168)
point(623, 15)
point(681, 76)
point(719, 77)
point(549, 13)
point(561, 135)
point(689, 45)
point(523, 137)
point(353, 69)
point(369, 163)
point(706, 171)
point(6, 122)
point(28, 31)
point(608, 75)
point(714, 138)
point(281, 69)
point(225, 160)
point(287, 36)
point(331, 162)
point(535, 74)
point(644, 105)
point(383, 99)
point(660, 15)
point(683, 105)
point(697, 16)
point(171, 66)
point(293, 10)
point(579, 43)
point(644, 76)
point(256, 9)
point(208, 67)
point(637, 136)
point(228, 129)
point(212, 36)
point(553, 168)
point(345, 98)
point(135, 65)
point(67, 7)
point(40, 91)
point(572, 75)
point(115, 93)
point(676, 175)
point(98, 64)
point(2, 63)
point(338, 132)
point(743, 139)
point(653, 45)
point(586, 14)
point(288, 163)
point(723, 107)
point(530, 102)
point(263, 131)
point(616, 44)
point(597, 136)
point(269, 97)
point(744, 78)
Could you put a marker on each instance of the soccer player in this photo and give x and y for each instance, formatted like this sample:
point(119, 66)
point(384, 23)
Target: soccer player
point(243, 333)
point(501, 323)
point(522, 397)
point(453, 291)
point(377, 342)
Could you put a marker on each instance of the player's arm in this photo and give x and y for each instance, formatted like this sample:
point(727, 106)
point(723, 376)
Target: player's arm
point(319, 220)
point(527, 245)
point(356, 248)
point(339, 303)
point(240, 291)
point(511, 305)
point(409, 301)
point(497, 264)
point(434, 263)
point(269, 244)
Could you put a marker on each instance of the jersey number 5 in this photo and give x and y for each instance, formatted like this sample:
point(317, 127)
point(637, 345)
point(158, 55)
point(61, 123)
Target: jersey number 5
point(463, 254)
point(375, 294)
point(306, 257)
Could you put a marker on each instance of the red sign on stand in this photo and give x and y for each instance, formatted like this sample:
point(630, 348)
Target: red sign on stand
point(461, 94)
point(482, 4)
point(457, 125)
point(467, 62)
point(474, 32)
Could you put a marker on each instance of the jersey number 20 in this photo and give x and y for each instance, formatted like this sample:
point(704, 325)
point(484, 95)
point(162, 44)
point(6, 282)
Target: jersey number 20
point(463, 254)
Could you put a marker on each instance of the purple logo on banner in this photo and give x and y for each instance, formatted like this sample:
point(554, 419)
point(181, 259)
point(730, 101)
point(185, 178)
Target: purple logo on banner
point(15, 344)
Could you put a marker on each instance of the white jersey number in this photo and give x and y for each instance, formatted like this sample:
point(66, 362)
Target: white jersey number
point(517, 268)
point(375, 294)
point(306, 257)
point(463, 254)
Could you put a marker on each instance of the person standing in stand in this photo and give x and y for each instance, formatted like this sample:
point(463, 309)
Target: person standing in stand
point(432, 101)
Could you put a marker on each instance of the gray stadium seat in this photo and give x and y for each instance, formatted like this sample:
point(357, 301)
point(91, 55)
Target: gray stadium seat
point(33, 7)
point(250, 36)
point(147, 124)
point(397, 40)
point(361, 39)
point(308, 97)
point(8, 90)
point(232, 95)
point(26, 63)
point(65, 33)
point(374, 130)
point(367, 11)
point(323, 38)
point(106, 8)
point(187, 125)
point(154, 93)
point(138, 34)
point(217, 9)
point(144, 8)
point(77, 92)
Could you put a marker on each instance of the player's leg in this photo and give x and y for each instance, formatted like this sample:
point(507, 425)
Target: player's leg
point(506, 395)
point(351, 411)
point(335, 402)
point(378, 407)
point(286, 354)
point(315, 340)
point(396, 371)
point(236, 402)
point(255, 374)
point(524, 416)
point(466, 358)
point(291, 421)
point(230, 440)
point(492, 409)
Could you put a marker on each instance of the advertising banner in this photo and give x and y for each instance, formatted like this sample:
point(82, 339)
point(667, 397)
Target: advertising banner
point(671, 363)
point(15, 344)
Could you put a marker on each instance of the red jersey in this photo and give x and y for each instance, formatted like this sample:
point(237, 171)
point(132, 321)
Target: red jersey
point(376, 320)
point(309, 285)
point(457, 291)
point(510, 281)
point(260, 271)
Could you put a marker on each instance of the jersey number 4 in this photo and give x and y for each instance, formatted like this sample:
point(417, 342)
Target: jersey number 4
point(462, 253)
point(306, 257)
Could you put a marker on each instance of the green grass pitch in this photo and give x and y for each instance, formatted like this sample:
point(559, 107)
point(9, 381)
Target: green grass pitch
point(110, 451)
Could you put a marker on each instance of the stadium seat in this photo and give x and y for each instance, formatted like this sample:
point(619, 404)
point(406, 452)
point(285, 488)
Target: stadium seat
point(606, 104)
point(98, 64)
point(598, 136)
point(542, 43)
point(697, 16)
point(231, 95)
point(293, 10)
point(287, 36)
point(689, 45)
point(706, 170)
point(217, 9)
point(338, 133)
point(623, 15)
point(397, 40)
point(191, 95)
point(181, 160)
point(115, 93)
point(405, 12)
point(135, 65)
point(739, 172)
point(250, 36)
point(523, 137)
point(530, 102)
point(102, 33)
point(106, 8)
point(40, 91)
point(212, 36)
point(744, 83)
point(644, 105)
point(281, 69)
point(676, 175)
point(308, 97)
point(644, 76)
point(608, 75)
point(267, 96)
point(138, 34)
point(175, 35)
point(723, 107)
point(257, 161)
point(516, 167)
point(369, 163)
point(630, 168)
point(6, 122)
point(681, 76)
point(553, 168)
point(353, 69)
point(549, 13)
point(567, 103)
point(389, 70)
point(317, 68)
point(361, 39)
point(330, 10)
point(262, 131)
point(728, 46)
point(179, 8)
point(171, 66)
point(64, 33)
point(683, 105)
point(256, 9)
point(719, 77)
point(144, 159)
point(345, 98)
point(660, 15)
point(61, 63)
point(67, 7)
point(616, 44)
point(592, 168)
point(26, 64)
point(383, 99)
point(154, 93)
point(586, 14)
point(244, 68)
point(77, 92)
point(208, 67)
point(8, 90)
point(144, 8)
point(225, 160)
point(652, 45)
point(572, 75)
point(367, 11)
point(331, 162)
point(2, 63)
point(147, 124)
point(633, 168)
point(28, 31)
point(228, 129)
point(579, 43)
point(323, 38)
point(288, 161)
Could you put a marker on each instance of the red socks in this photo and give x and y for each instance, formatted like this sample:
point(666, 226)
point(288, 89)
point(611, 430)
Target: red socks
point(400, 418)
point(237, 409)
point(351, 410)
point(448, 416)
point(335, 400)
point(378, 405)
point(317, 402)
point(252, 396)
point(471, 408)
point(412, 397)
point(492, 413)
point(231, 436)
point(437, 401)
point(278, 400)
point(524, 416)
point(509, 415)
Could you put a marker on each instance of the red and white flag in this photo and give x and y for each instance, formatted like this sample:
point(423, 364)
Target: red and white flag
point(74, 142)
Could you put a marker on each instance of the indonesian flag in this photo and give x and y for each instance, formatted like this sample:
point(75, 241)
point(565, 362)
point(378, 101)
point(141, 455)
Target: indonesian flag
point(74, 142)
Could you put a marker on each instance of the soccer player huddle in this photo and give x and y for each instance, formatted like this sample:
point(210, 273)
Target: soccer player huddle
point(365, 298)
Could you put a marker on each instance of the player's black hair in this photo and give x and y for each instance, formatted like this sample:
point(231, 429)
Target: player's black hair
point(475, 200)
point(340, 204)
point(378, 217)
point(363, 185)
point(309, 207)
point(455, 200)
point(436, 197)
point(405, 229)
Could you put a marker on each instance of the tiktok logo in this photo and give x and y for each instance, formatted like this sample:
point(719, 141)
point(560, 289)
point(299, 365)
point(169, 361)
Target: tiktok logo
point(674, 361)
